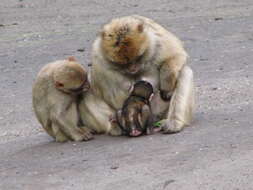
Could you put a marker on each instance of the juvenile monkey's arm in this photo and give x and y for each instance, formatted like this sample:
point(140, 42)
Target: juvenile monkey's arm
point(65, 119)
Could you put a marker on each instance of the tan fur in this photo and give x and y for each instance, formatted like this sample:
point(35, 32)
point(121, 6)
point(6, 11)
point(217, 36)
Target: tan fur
point(96, 114)
point(115, 55)
point(54, 103)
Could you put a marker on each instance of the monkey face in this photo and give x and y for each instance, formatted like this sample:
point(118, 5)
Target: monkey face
point(124, 44)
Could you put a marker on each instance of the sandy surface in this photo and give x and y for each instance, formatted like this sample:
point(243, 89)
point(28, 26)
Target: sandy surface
point(215, 152)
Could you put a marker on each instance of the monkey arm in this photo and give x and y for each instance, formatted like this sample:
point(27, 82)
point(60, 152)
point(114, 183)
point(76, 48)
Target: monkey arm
point(66, 121)
point(169, 73)
point(182, 103)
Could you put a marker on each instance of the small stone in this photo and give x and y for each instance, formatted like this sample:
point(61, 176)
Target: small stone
point(114, 167)
point(214, 88)
point(81, 50)
point(218, 18)
point(166, 183)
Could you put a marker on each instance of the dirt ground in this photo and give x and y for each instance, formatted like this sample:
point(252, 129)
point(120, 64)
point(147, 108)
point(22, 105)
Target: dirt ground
point(214, 153)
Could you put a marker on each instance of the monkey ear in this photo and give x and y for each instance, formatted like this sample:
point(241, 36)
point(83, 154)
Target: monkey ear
point(140, 27)
point(58, 84)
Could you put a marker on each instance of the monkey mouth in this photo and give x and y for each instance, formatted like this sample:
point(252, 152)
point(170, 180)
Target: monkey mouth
point(135, 133)
point(133, 69)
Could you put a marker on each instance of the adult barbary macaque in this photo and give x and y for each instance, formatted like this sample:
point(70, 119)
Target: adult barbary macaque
point(136, 48)
point(56, 95)
point(135, 117)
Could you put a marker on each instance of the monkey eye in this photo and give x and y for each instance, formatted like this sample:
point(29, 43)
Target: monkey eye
point(110, 35)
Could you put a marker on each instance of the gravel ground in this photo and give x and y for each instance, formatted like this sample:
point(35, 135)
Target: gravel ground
point(214, 153)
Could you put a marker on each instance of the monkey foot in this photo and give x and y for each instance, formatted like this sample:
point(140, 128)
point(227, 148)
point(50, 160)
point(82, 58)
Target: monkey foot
point(170, 127)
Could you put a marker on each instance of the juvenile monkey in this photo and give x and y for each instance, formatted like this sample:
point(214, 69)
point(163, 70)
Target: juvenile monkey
point(135, 117)
point(136, 48)
point(56, 95)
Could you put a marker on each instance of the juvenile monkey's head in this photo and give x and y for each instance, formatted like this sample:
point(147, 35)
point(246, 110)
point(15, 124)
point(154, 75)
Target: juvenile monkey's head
point(124, 42)
point(143, 89)
point(70, 77)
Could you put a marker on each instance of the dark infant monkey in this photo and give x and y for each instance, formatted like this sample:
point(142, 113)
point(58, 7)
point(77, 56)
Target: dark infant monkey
point(135, 118)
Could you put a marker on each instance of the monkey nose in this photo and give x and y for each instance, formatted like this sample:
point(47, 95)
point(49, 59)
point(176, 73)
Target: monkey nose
point(135, 133)
point(133, 68)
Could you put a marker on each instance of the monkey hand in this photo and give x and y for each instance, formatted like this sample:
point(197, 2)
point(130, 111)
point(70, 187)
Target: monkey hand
point(86, 134)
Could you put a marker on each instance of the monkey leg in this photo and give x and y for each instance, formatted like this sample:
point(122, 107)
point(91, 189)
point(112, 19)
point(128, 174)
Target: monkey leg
point(145, 119)
point(58, 134)
point(182, 103)
point(47, 126)
point(169, 73)
point(116, 123)
point(144, 116)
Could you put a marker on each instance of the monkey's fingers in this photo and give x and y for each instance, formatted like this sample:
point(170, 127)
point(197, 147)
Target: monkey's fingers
point(86, 133)
point(87, 136)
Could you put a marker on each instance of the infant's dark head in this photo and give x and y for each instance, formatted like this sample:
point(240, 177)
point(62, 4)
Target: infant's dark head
point(143, 89)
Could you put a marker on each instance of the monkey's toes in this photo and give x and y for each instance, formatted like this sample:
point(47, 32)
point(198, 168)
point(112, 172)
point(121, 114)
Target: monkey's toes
point(168, 129)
